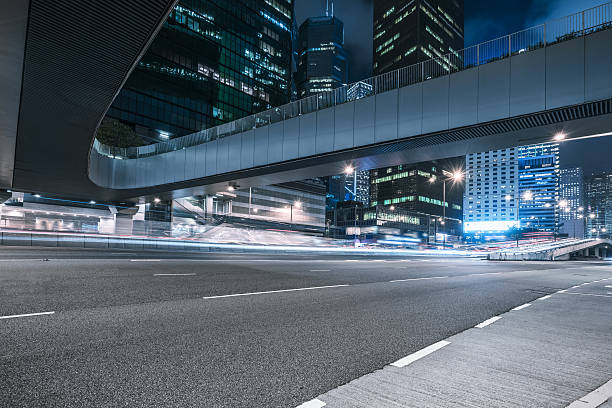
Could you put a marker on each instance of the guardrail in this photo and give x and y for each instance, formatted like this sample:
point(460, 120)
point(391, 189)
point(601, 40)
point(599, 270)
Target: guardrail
point(552, 32)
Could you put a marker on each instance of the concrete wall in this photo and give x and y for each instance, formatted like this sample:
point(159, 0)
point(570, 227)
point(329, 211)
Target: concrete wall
point(564, 74)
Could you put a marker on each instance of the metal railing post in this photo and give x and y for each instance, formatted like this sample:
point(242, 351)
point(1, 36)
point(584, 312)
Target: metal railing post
point(478, 54)
point(510, 45)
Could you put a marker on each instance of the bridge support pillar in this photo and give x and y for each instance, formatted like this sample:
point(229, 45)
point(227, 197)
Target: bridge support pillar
point(597, 252)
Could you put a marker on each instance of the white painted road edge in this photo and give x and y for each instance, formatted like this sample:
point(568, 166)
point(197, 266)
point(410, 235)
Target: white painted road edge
point(487, 322)
point(595, 398)
point(403, 362)
point(315, 403)
point(26, 315)
point(274, 291)
point(522, 306)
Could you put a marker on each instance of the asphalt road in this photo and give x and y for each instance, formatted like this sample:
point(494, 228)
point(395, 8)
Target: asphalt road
point(143, 329)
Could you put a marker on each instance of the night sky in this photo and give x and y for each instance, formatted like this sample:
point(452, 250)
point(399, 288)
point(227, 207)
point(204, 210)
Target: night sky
point(484, 20)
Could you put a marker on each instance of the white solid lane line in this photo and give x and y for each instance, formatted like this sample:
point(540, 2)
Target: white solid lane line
point(26, 315)
point(315, 403)
point(403, 362)
point(487, 322)
point(522, 306)
point(274, 291)
point(145, 260)
point(174, 274)
point(608, 286)
point(319, 270)
point(417, 279)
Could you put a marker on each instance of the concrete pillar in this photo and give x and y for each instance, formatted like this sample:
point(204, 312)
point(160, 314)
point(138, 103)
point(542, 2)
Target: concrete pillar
point(585, 252)
point(597, 252)
point(124, 224)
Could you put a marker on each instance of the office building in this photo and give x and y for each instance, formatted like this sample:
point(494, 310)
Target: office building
point(407, 32)
point(491, 198)
point(322, 64)
point(598, 211)
point(359, 90)
point(571, 193)
point(212, 62)
point(418, 188)
point(538, 170)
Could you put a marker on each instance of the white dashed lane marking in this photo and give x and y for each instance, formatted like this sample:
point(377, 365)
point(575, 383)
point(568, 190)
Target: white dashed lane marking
point(174, 274)
point(403, 362)
point(522, 306)
point(274, 291)
point(26, 315)
point(315, 403)
point(487, 322)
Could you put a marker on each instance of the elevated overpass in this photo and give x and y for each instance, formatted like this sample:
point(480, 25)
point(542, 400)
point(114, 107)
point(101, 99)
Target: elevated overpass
point(519, 89)
point(555, 251)
point(61, 65)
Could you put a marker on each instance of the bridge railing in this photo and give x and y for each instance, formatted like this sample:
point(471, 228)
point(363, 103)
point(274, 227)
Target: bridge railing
point(552, 32)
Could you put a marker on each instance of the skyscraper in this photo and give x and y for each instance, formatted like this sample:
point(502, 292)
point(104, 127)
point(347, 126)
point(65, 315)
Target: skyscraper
point(322, 64)
point(409, 187)
point(212, 62)
point(571, 193)
point(491, 191)
point(538, 169)
point(407, 32)
point(598, 194)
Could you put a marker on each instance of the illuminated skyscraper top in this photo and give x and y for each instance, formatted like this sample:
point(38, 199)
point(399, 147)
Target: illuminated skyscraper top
point(407, 32)
point(322, 63)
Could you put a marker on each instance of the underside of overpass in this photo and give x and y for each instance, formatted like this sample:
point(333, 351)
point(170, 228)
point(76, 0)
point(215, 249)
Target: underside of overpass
point(58, 103)
point(61, 65)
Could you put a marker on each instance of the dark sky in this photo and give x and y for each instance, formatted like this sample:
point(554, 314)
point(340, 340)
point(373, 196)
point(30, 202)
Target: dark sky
point(484, 20)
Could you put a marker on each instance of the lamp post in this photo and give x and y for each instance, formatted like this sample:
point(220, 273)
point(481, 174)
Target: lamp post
point(455, 177)
point(348, 170)
point(297, 204)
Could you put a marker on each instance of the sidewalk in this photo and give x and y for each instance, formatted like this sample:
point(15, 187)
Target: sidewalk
point(552, 352)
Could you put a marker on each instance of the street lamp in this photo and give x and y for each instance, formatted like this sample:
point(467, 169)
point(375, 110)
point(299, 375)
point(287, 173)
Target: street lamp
point(296, 204)
point(348, 170)
point(456, 176)
point(559, 136)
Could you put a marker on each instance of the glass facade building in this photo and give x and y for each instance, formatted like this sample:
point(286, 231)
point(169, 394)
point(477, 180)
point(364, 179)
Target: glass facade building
point(409, 187)
point(491, 191)
point(212, 62)
point(322, 64)
point(598, 194)
point(538, 169)
point(571, 193)
point(407, 32)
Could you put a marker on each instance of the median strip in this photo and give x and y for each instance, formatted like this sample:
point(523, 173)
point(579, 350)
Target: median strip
point(26, 315)
point(274, 291)
point(487, 322)
point(403, 362)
